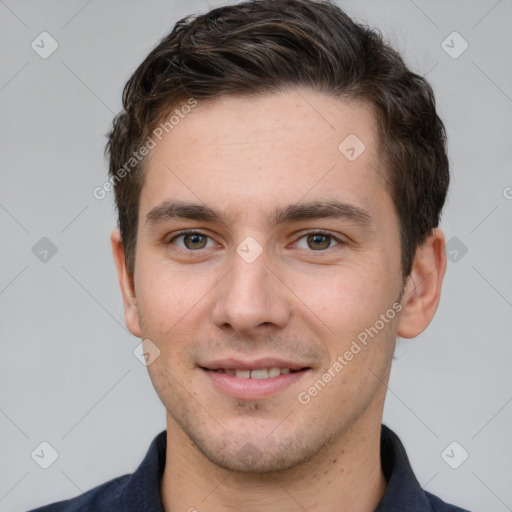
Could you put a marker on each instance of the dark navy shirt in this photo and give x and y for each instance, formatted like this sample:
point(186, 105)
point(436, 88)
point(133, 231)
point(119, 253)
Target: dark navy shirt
point(140, 491)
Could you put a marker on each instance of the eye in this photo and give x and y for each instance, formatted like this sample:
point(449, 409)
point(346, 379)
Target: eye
point(191, 241)
point(318, 241)
point(195, 240)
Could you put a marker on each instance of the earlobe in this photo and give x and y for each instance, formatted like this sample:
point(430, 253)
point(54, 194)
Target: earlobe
point(423, 286)
point(126, 283)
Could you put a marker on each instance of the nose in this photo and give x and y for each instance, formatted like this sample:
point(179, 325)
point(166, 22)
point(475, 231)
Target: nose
point(251, 298)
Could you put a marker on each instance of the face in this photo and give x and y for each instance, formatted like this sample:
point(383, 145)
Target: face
point(265, 250)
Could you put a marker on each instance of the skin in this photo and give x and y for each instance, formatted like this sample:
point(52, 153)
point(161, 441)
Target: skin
point(199, 299)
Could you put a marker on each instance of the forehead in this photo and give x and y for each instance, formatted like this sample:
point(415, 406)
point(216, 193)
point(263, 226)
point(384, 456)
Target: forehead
point(275, 148)
point(240, 119)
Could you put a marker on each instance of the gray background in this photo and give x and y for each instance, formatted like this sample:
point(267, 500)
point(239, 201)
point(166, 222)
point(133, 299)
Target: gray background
point(68, 373)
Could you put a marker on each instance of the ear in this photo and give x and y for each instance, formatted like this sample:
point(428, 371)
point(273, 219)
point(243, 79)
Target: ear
point(423, 287)
point(126, 283)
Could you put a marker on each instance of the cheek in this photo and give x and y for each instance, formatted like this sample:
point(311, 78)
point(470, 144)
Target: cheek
point(165, 297)
point(348, 297)
point(173, 308)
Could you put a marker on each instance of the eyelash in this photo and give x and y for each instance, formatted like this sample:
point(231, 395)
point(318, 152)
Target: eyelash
point(192, 232)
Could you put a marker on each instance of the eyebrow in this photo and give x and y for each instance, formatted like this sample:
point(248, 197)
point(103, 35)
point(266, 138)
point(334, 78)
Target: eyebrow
point(168, 211)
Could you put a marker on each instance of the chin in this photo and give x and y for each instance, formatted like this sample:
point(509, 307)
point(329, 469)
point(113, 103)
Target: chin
point(251, 459)
point(250, 453)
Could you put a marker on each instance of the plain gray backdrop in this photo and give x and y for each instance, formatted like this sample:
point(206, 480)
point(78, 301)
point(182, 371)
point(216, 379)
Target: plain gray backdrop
point(69, 376)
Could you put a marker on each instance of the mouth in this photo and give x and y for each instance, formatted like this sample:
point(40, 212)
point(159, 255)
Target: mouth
point(260, 373)
point(253, 380)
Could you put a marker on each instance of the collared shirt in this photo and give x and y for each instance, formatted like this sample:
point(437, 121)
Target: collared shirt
point(140, 491)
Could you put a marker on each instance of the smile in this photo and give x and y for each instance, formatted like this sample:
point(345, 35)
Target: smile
point(260, 373)
point(253, 384)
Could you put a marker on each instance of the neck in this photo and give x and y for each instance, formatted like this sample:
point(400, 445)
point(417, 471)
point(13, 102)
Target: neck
point(344, 475)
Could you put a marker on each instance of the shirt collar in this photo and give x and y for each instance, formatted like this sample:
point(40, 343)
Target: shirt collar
point(403, 492)
point(141, 492)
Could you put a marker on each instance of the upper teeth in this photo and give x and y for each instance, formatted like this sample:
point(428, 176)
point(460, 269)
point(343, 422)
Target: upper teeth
point(263, 373)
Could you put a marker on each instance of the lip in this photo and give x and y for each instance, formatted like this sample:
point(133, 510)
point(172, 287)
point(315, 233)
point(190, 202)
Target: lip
point(255, 364)
point(252, 389)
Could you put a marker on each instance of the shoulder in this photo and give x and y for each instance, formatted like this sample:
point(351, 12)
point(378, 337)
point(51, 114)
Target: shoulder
point(103, 497)
point(438, 505)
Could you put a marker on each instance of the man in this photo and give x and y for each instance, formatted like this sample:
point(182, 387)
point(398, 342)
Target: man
point(279, 176)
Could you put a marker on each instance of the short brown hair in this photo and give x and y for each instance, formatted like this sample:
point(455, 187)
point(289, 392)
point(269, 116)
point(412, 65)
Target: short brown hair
point(263, 46)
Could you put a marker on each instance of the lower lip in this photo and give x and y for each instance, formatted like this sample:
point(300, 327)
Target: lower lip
point(252, 389)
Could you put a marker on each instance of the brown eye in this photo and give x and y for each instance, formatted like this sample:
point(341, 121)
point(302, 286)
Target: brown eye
point(190, 241)
point(318, 241)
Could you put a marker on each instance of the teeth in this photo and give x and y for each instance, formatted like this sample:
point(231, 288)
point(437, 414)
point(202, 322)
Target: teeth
point(275, 371)
point(259, 374)
point(263, 373)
